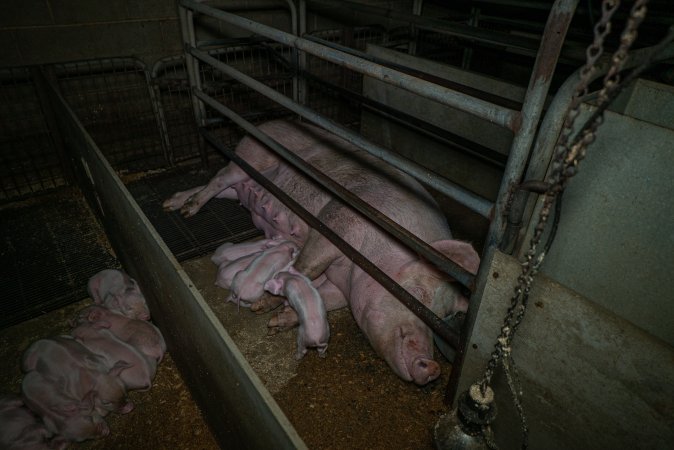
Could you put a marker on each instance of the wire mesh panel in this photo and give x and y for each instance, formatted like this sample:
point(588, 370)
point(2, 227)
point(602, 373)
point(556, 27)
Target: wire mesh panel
point(113, 101)
point(266, 62)
point(29, 162)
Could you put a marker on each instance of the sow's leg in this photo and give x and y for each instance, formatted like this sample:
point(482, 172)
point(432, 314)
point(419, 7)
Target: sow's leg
point(190, 202)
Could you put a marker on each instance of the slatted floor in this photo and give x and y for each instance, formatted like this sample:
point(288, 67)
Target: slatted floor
point(218, 221)
point(52, 244)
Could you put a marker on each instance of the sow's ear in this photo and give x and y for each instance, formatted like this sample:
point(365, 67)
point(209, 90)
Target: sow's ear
point(460, 252)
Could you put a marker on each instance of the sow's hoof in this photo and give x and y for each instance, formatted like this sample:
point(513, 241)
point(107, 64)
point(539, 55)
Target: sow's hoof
point(283, 321)
point(266, 303)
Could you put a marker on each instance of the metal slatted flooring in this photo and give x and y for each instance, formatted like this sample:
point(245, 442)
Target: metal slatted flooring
point(217, 222)
point(51, 245)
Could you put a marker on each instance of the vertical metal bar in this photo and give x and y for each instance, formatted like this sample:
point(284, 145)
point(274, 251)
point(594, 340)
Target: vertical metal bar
point(417, 6)
point(539, 84)
point(189, 40)
point(50, 118)
point(158, 109)
point(294, 26)
point(468, 52)
point(556, 27)
point(302, 62)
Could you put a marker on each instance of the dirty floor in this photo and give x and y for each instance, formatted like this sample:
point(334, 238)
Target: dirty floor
point(350, 399)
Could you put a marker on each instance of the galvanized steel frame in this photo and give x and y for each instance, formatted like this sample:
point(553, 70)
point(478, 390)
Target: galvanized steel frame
point(523, 123)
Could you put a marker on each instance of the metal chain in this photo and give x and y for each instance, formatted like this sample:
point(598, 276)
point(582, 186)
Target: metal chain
point(565, 162)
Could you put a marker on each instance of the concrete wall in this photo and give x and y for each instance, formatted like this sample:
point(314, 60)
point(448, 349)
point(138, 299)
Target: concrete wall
point(48, 31)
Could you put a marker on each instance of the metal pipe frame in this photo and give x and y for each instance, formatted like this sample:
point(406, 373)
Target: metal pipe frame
point(465, 197)
point(555, 31)
point(192, 66)
point(523, 123)
point(497, 114)
point(551, 45)
point(527, 45)
point(551, 128)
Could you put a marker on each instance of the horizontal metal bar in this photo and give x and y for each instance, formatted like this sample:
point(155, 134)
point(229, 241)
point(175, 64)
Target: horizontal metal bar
point(476, 93)
point(481, 152)
point(418, 309)
point(463, 196)
point(499, 115)
point(441, 261)
point(438, 25)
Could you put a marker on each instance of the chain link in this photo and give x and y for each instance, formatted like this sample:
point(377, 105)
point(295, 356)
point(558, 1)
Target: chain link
point(566, 158)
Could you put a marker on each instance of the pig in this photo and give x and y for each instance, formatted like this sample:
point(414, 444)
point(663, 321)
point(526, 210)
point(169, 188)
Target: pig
point(395, 333)
point(78, 371)
point(70, 418)
point(140, 334)
point(119, 293)
point(228, 270)
point(20, 429)
point(229, 252)
point(304, 298)
point(248, 285)
point(140, 371)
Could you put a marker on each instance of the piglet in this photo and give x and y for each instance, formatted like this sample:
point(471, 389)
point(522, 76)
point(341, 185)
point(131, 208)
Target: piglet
point(229, 251)
point(228, 270)
point(314, 330)
point(248, 285)
point(119, 293)
point(79, 372)
point(140, 371)
point(21, 429)
point(71, 418)
point(140, 334)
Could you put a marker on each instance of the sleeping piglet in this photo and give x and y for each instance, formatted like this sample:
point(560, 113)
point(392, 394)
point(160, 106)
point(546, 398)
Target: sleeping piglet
point(70, 418)
point(140, 370)
point(248, 285)
point(118, 292)
point(314, 330)
point(20, 429)
point(140, 334)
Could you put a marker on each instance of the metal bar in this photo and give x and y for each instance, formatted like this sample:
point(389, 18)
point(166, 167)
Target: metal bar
point(418, 309)
point(553, 38)
point(539, 84)
point(478, 151)
point(191, 64)
point(294, 26)
point(463, 196)
point(551, 128)
point(302, 61)
point(468, 90)
point(203, 350)
point(440, 26)
point(499, 115)
point(450, 267)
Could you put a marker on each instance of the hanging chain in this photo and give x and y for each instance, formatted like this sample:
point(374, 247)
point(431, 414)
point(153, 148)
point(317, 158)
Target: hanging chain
point(566, 158)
